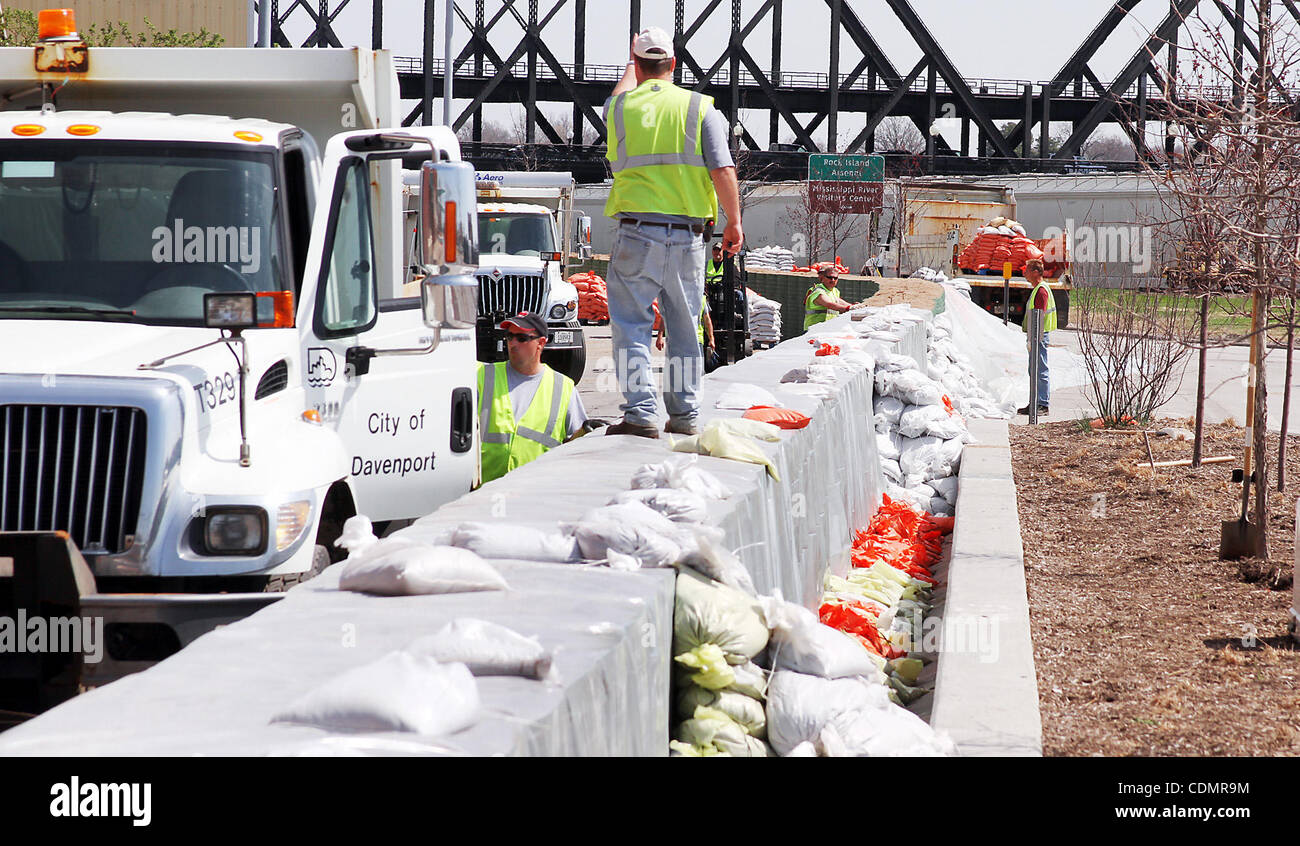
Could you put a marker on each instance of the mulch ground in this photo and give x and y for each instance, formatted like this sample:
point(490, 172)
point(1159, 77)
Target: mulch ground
point(1145, 643)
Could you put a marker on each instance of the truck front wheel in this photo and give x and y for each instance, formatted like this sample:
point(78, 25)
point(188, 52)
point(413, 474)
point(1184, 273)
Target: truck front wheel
point(571, 363)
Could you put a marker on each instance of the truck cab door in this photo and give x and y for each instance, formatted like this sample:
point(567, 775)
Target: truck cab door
point(407, 421)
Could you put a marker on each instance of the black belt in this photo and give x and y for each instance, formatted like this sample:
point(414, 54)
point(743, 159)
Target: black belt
point(697, 228)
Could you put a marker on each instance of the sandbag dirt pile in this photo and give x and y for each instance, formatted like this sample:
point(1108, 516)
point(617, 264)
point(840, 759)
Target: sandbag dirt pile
point(593, 299)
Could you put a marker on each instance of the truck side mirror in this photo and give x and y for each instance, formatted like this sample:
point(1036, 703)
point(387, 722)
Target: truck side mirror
point(448, 245)
point(582, 235)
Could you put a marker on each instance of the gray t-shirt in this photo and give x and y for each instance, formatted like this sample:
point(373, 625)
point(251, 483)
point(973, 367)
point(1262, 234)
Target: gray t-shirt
point(523, 388)
point(716, 154)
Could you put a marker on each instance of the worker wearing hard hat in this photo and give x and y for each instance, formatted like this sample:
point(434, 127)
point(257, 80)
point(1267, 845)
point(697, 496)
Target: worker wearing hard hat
point(667, 149)
point(1040, 297)
point(525, 407)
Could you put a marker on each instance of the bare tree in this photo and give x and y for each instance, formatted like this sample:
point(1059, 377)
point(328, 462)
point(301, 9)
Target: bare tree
point(1235, 190)
point(821, 234)
point(899, 133)
point(1108, 148)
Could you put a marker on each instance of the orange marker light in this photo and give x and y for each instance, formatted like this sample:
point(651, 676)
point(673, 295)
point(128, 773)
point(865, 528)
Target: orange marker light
point(311, 415)
point(56, 23)
point(245, 135)
point(283, 309)
point(27, 129)
point(82, 129)
point(449, 233)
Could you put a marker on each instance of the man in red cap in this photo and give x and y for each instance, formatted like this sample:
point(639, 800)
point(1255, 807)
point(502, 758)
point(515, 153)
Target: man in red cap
point(525, 407)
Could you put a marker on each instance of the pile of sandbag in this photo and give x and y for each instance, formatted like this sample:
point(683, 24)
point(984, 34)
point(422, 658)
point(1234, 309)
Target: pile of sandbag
point(769, 258)
point(815, 267)
point(593, 299)
point(953, 369)
point(884, 597)
point(1000, 241)
point(764, 318)
point(919, 436)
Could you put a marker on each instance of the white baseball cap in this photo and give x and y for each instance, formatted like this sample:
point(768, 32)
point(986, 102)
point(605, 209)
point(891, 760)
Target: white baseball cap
point(653, 43)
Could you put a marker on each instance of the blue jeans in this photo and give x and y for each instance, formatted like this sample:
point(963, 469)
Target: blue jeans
point(649, 262)
point(1044, 389)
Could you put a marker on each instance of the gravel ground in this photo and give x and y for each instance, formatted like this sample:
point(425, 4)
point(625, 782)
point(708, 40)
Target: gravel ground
point(1145, 643)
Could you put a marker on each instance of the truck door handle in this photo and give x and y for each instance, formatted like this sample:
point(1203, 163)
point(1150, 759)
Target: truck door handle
point(462, 420)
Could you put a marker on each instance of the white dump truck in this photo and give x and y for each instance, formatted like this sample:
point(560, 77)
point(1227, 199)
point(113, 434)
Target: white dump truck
point(212, 351)
point(528, 234)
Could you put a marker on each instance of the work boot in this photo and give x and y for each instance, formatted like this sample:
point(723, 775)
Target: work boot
point(681, 427)
point(1042, 410)
point(623, 427)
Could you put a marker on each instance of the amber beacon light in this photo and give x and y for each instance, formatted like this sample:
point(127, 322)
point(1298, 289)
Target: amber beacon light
point(52, 24)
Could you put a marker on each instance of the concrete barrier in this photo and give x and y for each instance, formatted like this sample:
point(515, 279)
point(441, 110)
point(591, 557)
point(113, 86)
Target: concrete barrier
point(987, 699)
point(611, 630)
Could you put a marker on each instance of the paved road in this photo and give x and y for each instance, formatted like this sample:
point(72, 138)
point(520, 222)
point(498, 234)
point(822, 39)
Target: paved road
point(1225, 393)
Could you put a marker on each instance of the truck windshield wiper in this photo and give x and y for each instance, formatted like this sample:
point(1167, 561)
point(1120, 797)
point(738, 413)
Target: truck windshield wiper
point(63, 309)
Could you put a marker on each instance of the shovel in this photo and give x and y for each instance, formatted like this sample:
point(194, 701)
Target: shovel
point(1237, 539)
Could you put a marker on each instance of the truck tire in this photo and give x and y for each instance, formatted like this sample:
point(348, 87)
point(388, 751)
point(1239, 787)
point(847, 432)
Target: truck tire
point(571, 363)
point(320, 559)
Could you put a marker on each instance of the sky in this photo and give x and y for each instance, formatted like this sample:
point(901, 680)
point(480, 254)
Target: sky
point(1025, 40)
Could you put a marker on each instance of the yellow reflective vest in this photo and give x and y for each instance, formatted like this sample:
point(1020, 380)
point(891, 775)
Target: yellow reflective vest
point(813, 313)
point(506, 443)
point(1049, 316)
point(656, 151)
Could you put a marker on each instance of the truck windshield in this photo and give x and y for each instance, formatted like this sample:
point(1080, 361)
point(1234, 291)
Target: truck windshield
point(133, 230)
point(515, 234)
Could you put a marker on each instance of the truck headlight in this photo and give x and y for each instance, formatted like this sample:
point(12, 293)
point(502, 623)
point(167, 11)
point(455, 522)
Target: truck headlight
point(558, 311)
point(291, 519)
point(234, 530)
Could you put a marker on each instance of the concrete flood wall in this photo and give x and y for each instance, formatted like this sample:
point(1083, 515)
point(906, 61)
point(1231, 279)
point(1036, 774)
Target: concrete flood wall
point(611, 631)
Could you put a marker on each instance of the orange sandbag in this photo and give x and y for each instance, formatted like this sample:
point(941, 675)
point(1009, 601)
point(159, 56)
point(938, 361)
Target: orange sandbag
point(784, 418)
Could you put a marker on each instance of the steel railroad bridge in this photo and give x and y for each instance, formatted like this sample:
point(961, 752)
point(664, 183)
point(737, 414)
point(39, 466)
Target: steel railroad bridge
point(496, 67)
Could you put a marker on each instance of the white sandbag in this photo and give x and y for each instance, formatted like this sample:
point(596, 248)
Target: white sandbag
point(521, 543)
point(680, 473)
point(677, 505)
point(631, 530)
point(946, 487)
point(715, 561)
point(749, 679)
point(745, 710)
point(940, 507)
point(888, 410)
point(399, 692)
point(845, 717)
point(800, 642)
point(397, 567)
point(709, 612)
point(745, 427)
point(745, 396)
point(888, 445)
point(358, 535)
point(487, 649)
point(911, 386)
point(930, 457)
point(892, 471)
point(915, 420)
point(721, 442)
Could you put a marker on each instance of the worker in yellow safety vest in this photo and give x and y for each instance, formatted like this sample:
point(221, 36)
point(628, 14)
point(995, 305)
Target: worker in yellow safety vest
point(1040, 297)
point(552, 409)
point(667, 149)
point(823, 298)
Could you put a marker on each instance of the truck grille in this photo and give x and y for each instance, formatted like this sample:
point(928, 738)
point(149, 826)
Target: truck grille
point(511, 294)
point(75, 468)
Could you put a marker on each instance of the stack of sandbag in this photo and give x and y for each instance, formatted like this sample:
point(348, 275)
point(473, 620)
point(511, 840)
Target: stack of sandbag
point(954, 370)
point(828, 694)
point(718, 694)
point(929, 274)
point(764, 318)
point(816, 267)
point(770, 257)
point(593, 299)
point(1002, 240)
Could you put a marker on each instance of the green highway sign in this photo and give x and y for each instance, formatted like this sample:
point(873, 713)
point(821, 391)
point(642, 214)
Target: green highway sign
point(830, 167)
